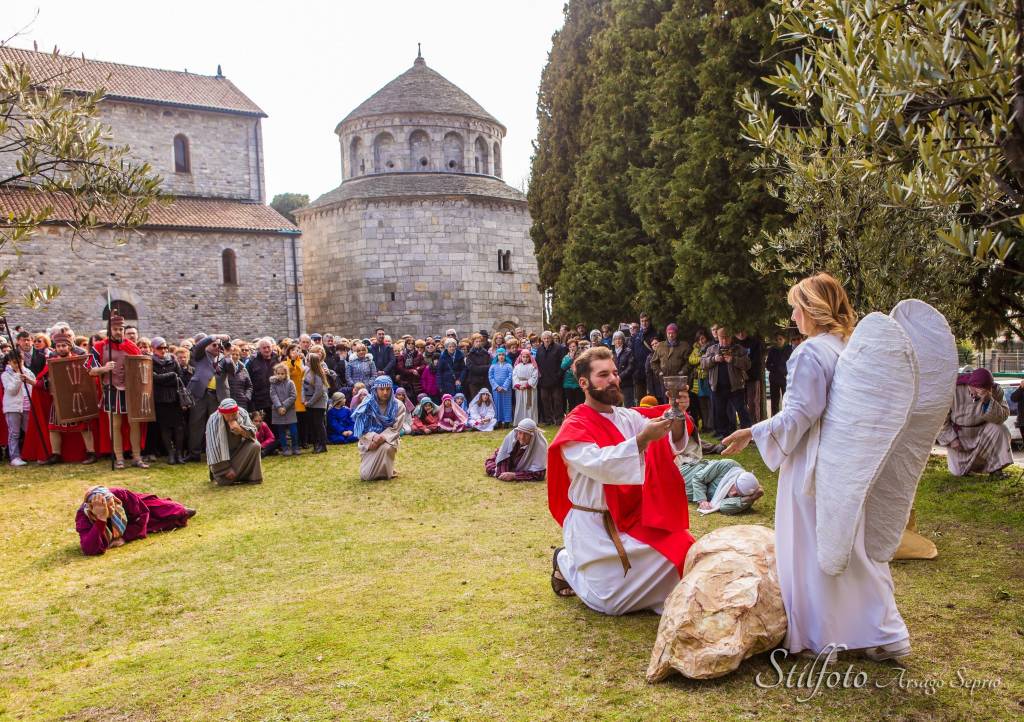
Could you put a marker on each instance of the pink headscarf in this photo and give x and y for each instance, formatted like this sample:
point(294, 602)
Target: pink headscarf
point(459, 413)
point(979, 378)
point(519, 359)
point(357, 398)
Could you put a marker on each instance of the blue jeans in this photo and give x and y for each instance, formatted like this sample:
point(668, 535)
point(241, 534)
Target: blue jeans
point(279, 434)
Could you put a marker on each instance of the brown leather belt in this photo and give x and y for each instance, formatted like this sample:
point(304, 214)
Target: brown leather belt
point(613, 533)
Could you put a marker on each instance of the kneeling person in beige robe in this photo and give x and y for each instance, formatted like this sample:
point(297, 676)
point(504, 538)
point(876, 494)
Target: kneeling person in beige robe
point(974, 434)
point(232, 451)
point(378, 425)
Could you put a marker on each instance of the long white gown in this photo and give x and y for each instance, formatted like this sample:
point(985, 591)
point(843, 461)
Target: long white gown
point(527, 400)
point(856, 608)
point(589, 561)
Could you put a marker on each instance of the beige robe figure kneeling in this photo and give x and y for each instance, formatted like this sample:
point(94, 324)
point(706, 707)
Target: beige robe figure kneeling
point(232, 451)
point(378, 425)
point(974, 434)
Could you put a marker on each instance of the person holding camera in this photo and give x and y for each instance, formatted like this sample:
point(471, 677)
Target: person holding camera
point(727, 364)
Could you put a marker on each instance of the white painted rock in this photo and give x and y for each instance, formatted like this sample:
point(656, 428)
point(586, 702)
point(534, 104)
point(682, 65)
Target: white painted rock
point(726, 608)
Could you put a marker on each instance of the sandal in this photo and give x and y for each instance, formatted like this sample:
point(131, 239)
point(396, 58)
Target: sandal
point(139, 463)
point(559, 586)
point(119, 464)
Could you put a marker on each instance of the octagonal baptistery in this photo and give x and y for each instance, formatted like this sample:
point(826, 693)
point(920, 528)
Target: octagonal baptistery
point(422, 234)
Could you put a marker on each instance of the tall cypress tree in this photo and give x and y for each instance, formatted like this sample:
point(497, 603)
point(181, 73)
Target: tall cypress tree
point(699, 195)
point(597, 279)
point(564, 82)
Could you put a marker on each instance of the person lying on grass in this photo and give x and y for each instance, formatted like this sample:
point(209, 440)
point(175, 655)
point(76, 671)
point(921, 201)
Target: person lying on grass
point(110, 517)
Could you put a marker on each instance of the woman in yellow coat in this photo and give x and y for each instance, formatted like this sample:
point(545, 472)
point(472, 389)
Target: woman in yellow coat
point(297, 371)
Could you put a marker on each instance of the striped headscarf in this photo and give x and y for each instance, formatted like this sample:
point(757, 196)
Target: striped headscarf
point(116, 522)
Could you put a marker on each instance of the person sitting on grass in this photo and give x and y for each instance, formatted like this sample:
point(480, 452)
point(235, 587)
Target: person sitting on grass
point(378, 423)
point(452, 418)
point(482, 413)
point(264, 436)
point(231, 449)
point(340, 426)
point(110, 517)
point(522, 456)
point(424, 417)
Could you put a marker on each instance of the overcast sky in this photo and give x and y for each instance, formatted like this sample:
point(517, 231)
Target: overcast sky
point(307, 64)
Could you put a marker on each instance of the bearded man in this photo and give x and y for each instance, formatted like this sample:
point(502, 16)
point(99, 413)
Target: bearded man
point(615, 489)
point(63, 343)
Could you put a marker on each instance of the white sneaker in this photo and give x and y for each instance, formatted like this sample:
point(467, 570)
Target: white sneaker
point(18, 462)
point(888, 651)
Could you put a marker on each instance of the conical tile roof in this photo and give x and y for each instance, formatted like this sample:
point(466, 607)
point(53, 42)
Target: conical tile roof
point(420, 90)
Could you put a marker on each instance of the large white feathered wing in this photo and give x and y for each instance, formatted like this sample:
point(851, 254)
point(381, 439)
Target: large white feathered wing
point(872, 394)
point(890, 499)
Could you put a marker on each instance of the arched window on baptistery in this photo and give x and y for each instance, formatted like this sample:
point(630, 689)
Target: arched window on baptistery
point(419, 151)
point(481, 160)
point(453, 153)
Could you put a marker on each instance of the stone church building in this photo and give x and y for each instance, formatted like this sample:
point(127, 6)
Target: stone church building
point(422, 234)
point(217, 259)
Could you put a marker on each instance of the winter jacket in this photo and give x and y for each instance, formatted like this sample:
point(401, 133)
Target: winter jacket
point(549, 362)
point(233, 382)
point(624, 364)
point(314, 391)
point(737, 369)
point(260, 371)
point(14, 390)
point(282, 393)
point(166, 376)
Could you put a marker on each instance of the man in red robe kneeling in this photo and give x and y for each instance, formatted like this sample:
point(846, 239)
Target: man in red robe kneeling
point(615, 489)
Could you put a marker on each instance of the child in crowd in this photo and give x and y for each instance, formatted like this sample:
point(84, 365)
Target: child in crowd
point(264, 436)
point(18, 382)
point(282, 400)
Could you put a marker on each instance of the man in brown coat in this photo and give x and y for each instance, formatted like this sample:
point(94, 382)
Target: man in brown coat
point(671, 357)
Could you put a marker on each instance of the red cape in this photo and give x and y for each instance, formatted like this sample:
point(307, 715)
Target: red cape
point(37, 448)
point(656, 512)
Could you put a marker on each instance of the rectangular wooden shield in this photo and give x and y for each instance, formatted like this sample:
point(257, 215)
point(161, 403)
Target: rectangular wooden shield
point(73, 390)
point(139, 388)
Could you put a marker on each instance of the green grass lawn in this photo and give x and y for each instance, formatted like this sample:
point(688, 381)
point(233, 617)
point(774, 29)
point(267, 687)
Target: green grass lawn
point(316, 596)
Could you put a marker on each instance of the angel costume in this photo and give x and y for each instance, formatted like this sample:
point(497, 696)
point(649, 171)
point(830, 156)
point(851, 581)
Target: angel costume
point(370, 422)
point(524, 380)
point(850, 464)
point(624, 514)
point(856, 608)
point(482, 416)
point(978, 426)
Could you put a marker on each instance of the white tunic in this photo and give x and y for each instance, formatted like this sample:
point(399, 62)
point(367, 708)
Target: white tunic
point(589, 561)
point(856, 608)
point(527, 400)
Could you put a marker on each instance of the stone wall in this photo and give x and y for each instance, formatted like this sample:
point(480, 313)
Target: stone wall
point(172, 278)
point(418, 266)
point(386, 144)
point(225, 149)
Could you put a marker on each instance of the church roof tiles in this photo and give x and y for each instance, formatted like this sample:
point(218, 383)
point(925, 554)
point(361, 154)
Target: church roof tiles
point(413, 185)
point(214, 214)
point(132, 82)
point(420, 90)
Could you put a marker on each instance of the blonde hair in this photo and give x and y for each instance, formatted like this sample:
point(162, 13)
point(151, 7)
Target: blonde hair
point(824, 303)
